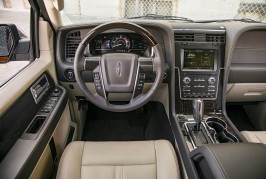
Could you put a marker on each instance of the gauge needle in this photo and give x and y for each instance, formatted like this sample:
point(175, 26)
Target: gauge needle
point(117, 45)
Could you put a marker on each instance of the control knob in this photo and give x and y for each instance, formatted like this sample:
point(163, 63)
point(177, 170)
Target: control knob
point(211, 80)
point(186, 80)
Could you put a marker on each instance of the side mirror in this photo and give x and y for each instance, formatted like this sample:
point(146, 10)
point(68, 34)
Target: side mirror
point(9, 38)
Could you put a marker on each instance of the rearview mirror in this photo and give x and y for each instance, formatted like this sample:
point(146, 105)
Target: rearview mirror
point(8, 36)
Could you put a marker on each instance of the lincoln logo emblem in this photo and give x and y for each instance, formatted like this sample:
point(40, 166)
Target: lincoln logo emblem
point(118, 68)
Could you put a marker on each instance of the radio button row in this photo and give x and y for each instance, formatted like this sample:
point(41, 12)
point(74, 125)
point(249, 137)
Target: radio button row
point(199, 86)
point(199, 79)
point(198, 95)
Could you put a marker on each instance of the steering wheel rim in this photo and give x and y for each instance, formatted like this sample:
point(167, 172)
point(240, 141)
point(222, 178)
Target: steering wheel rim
point(100, 99)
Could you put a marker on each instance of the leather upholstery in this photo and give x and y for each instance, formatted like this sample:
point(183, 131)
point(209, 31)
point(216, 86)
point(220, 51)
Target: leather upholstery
point(238, 160)
point(115, 160)
point(255, 136)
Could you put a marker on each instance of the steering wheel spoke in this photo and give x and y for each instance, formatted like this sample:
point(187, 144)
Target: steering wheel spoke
point(91, 63)
point(146, 64)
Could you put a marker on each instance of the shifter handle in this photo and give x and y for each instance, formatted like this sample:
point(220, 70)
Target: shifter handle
point(198, 112)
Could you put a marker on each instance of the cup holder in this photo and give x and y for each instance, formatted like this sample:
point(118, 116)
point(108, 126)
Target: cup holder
point(219, 131)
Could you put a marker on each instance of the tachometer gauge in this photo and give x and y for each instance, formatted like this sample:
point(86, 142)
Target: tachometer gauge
point(120, 43)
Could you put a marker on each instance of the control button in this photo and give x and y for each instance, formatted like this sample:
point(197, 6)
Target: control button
point(98, 85)
point(141, 81)
point(199, 86)
point(55, 95)
point(96, 76)
point(97, 81)
point(47, 107)
point(52, 99)
point(45, 110)
point(199, 79)
point(56, 90)
point(142, 76)
point(49, 104)
point(69, 74)
point(186, 80)
point(139, 84)
point(211, 80)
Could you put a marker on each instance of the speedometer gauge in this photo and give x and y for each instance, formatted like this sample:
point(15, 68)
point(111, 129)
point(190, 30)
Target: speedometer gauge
point(120, 43)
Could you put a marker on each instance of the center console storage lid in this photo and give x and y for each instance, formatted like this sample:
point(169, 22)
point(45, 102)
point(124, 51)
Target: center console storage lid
point(230, 160)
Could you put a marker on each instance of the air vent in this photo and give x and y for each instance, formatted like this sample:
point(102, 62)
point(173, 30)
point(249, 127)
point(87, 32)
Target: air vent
point(218, 38)
point(184, 37)
point(73, 40)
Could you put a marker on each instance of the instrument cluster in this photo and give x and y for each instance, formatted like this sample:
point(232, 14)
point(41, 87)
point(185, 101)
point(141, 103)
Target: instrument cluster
point(119, 43)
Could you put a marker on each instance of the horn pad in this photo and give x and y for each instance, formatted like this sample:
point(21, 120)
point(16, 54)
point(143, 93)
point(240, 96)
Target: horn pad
point(119, 72)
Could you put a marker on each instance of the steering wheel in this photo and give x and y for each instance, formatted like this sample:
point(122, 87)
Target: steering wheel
point(119, 72)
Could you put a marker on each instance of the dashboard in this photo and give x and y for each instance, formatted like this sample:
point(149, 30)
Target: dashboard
point(197, 53)
point(119, 43)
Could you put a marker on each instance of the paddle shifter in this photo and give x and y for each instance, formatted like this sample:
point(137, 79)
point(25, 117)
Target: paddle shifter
point(198, 112)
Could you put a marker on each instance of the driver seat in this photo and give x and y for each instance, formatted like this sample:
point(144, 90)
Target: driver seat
point(117, 160)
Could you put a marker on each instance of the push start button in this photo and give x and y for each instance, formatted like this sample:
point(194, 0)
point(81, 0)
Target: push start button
point(69, 74)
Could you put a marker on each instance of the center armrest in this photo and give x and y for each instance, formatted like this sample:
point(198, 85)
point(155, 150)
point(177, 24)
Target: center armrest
point(230, 160)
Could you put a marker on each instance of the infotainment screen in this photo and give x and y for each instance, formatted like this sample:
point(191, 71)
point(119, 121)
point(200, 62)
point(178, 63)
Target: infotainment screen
point(198, 59)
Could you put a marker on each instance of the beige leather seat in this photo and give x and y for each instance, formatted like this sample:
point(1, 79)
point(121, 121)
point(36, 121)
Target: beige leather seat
point(115, 160)
point(255, 136)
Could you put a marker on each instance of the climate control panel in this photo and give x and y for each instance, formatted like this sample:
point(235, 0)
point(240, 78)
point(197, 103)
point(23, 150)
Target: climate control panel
point(198, 86)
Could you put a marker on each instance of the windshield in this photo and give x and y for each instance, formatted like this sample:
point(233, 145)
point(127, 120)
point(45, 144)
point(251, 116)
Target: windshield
point(82, 11)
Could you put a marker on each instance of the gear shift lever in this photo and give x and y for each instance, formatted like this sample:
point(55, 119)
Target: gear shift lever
point(198, 112)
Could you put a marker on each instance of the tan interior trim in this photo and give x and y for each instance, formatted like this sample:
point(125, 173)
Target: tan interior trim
point(44, 167)
point(12, 90)
point(245, 92)
point(53, 13)
point(61, 132)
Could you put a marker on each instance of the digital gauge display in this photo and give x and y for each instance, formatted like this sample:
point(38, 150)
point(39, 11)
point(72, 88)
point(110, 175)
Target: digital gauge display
point(119, 43)
point(198, 59)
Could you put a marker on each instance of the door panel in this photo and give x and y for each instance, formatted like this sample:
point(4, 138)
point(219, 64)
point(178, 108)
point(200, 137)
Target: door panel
point(25, 125)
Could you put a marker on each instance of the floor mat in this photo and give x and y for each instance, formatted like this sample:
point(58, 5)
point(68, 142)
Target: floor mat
point(147, 123)
point(112, 130)
point(239, 117)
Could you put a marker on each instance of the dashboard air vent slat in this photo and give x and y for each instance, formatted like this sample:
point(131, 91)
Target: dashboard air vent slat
point(73, 40)
point(216, 38)
point(184, 37)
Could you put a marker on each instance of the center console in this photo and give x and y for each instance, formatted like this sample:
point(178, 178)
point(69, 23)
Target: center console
point(199, 71)
point(199, 68)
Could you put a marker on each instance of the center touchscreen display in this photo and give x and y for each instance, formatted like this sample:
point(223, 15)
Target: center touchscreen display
point(198, 59)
